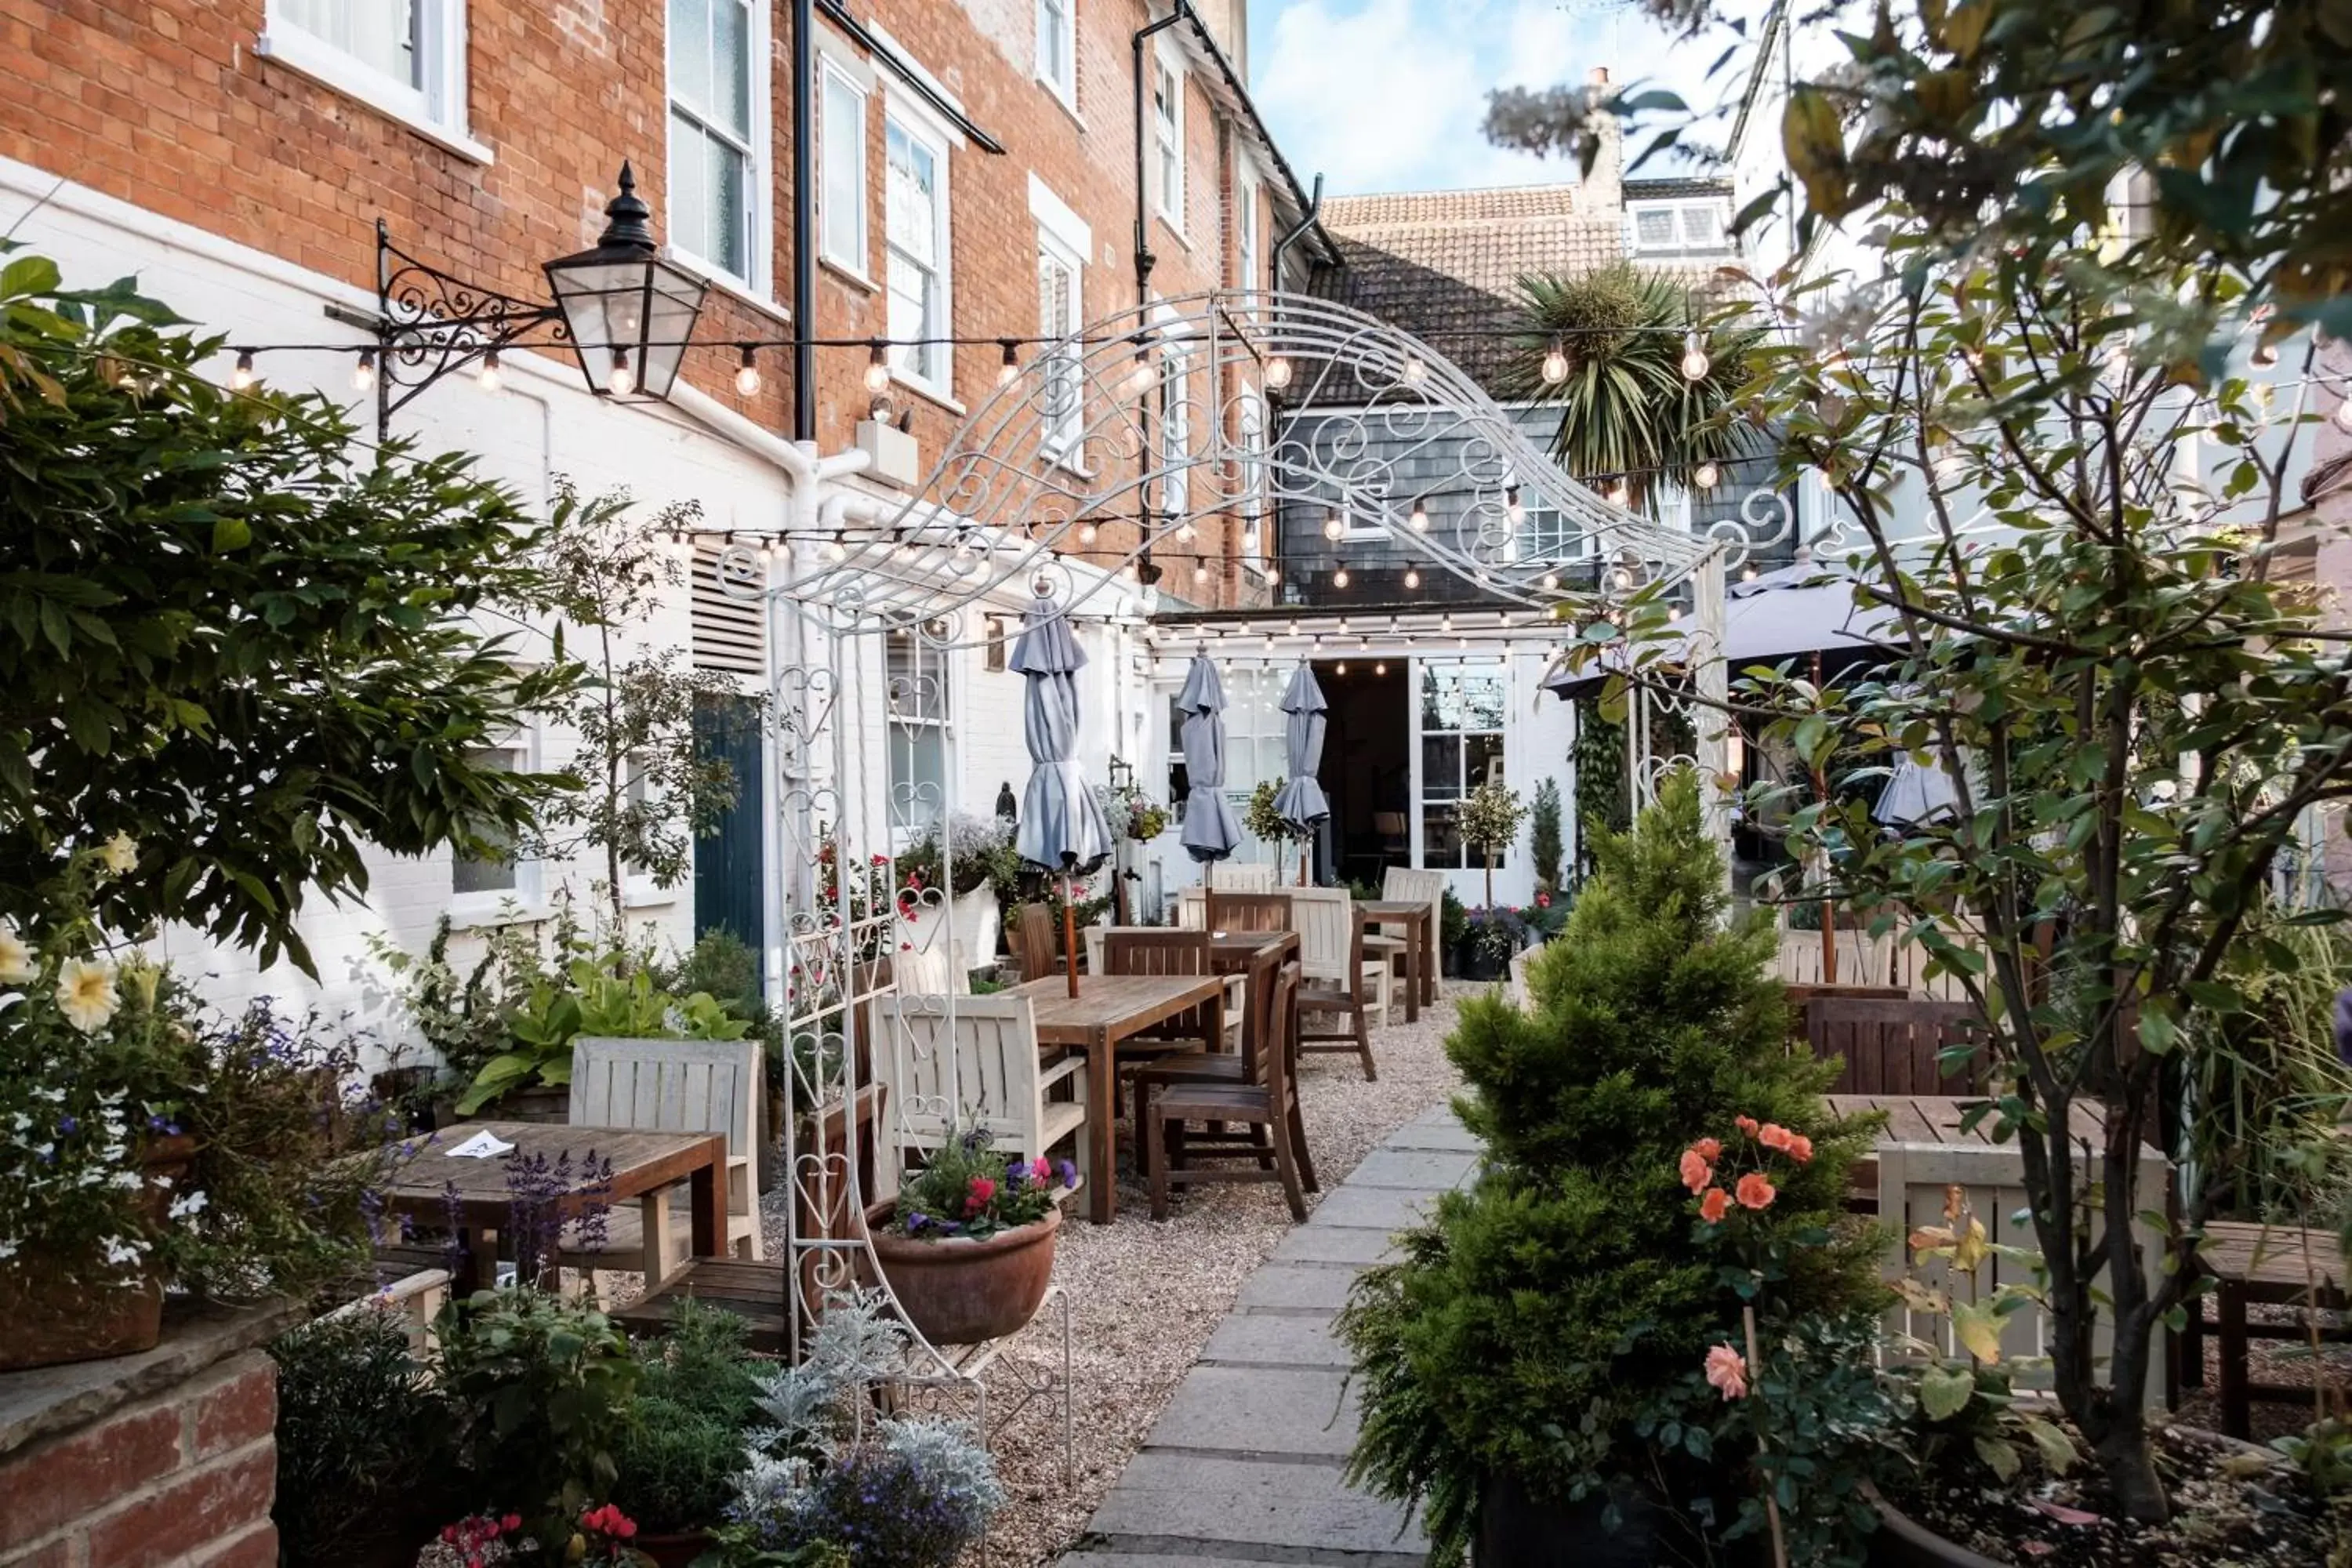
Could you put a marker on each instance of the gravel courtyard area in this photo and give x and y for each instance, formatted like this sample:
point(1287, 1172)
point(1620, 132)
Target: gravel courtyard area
point(1144, 1297)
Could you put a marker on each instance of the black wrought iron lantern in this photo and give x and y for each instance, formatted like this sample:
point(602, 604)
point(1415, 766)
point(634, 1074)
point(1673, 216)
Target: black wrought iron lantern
point(629, 312)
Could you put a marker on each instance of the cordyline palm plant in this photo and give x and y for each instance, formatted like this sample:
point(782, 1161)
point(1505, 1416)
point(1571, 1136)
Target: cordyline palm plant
point(1626, 406)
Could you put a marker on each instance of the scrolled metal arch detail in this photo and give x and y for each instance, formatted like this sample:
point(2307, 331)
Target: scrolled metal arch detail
point(1094, 400)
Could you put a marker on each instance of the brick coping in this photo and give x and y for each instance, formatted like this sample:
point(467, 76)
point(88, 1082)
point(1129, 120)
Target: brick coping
point(50, 1400)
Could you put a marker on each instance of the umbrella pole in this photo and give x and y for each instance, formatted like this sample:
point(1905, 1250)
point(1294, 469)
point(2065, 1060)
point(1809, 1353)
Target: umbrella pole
point(1070, 935)
point(1829, 905)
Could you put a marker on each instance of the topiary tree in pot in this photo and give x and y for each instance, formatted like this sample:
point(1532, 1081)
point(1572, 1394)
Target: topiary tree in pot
point(1545, 1335)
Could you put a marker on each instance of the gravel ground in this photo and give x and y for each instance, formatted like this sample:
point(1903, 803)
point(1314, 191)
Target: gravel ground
point(1144, 1297)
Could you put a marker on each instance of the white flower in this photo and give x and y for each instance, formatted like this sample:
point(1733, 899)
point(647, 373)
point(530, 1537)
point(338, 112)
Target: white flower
point(86, 993)
point(186, 1204)
point(16, 965)
point(120, 853)
point(7, 1248)
point(119, 1252)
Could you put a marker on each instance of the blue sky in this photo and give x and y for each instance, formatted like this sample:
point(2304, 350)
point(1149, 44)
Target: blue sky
point(1387, 95)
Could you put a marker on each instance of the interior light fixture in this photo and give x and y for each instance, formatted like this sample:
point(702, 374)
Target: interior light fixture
point(620, 379)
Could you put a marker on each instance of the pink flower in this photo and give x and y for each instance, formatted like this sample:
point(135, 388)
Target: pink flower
point(1696, 1172)
point(511, 1523)
point(983, 1188)
point(1709, 1149)
point(1801, 1149)
point(1728, 1371)
point(1543, 900)
point(1746, 1124)
point(1772, 1135)
point(1713, 1205)
point(1754, 1192)
point(1039, 1170)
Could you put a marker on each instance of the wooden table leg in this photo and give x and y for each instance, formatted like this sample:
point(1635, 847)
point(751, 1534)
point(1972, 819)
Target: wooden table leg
point(1412, 971)
point(2237, 1419)
point(1102, 1131)
point(1429, 955)
point(710, 1205)
point(653, 1210)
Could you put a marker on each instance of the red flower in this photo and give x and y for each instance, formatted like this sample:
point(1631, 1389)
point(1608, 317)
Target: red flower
point(1801, 1149)
point(1543, 900)
point(1713, 1205)
point(1747, 1124)
point(1754, 1192)
point(1709, 1149)
point(982, 1189)
point(511, 1521)
point(1772, 1135)
point(1696, 1172)
point(1040, 1170)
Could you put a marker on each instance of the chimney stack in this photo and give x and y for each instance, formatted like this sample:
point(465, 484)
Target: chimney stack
point(1604, 185)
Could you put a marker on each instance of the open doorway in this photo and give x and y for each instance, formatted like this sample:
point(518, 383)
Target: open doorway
point(1366, 768)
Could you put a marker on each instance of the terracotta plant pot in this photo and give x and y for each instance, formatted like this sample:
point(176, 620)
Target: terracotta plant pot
point(53, 1318)
point(677, 1550)
point(956, 1292)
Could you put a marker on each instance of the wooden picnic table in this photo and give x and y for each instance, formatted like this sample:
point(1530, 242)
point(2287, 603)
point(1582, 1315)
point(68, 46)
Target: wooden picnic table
point(1420, 923)
point(1108, 1009)
point(477, 1196)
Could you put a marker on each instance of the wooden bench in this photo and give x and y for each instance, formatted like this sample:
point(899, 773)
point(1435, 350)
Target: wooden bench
point(752, 1291)
point(2263, 1265)
point(1893, 1046)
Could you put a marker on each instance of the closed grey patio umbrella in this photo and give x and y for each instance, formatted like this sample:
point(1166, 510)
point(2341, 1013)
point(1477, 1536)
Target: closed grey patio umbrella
point(1302, 802)
point(1062, 827)
point(1210, 833)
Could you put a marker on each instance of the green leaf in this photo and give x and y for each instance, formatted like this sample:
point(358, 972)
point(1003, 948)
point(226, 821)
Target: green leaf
point(230, 533)
point(1945, 1391)
point(2000, 1458)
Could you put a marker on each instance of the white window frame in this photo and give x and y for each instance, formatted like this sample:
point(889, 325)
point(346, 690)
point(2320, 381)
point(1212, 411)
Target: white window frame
point(638, 889)
point(492, 906)
point(1250, 432)
point(1172, 429)
point(1720, 206)
point(435, 107)
point(1168, 138)
point(1065, 240)
point(855, 257)
point(1064, 33)
point(1418, 671)
point(900, 111)
point(931, 661)
point(1249, 263)
point(756, 280)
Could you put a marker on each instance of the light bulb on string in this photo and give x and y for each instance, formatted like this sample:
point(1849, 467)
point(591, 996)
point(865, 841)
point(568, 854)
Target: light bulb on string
point(1511, 507)
point(1199, 570)
point(487, 376)
point(878, 366)
point(1621, 494)
point(1272, 575)
point(1277, 372)
point(1696, 363)
point(363, 373)
point(1381, 667)
point(1674, 612)
point(747, 372)
point(620, 381)
point(1747, 572)
point(1555, 364)
point(1332, 526)
point(1010, 370)
point(1420, 518)
point(1550, 581)
point(2264, 355)
point(1087, 532)
point(1129, 571)
point(1415, 372)
point(1140, 379)
point(1623, 578)
point(1412, 577)
point(838, 551)
point(1293, 625)
point(1186, 532)
point(1339, 578)
point(1445, 621)
point(241, 378)
point(1707, 475)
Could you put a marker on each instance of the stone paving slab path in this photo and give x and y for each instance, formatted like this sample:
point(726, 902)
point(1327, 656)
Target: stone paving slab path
point(1243, 1468)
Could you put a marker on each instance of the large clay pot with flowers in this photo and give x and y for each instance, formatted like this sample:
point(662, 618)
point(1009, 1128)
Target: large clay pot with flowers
point(54, 1317)
point(967, 1248)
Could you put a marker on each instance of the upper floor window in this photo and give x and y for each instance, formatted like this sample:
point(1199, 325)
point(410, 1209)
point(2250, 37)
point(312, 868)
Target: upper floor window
point(407, 58)
point(1058, 48)
point(1245, 195)
point(1679, 228)
point(917, 680)
point(841, 195)
point(1176, 432)
point(1167, 141)
point(715, 157)
point(478, 887)
point(1059, 272)
point(915, 210)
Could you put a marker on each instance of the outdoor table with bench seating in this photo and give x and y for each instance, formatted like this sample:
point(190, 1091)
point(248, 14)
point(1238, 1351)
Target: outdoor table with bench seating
point(2260, 1265)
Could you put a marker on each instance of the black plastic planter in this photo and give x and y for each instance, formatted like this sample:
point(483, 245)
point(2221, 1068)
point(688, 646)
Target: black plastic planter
point(1517, 1531)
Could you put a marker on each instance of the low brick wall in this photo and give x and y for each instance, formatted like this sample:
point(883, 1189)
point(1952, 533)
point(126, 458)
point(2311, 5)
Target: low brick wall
point(134, 1475)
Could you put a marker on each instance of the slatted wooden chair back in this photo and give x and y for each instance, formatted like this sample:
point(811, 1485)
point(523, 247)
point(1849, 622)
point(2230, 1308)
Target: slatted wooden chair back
point(680, 1086)
point(1239, 877)
point(1160, 951)
point(1034, 935)
point(1249, 911)
point(1894, 1046)
point(1402, 884)
point(950, 1063)
point(1276, 1065)
point(1329, 950)
point(934, 971)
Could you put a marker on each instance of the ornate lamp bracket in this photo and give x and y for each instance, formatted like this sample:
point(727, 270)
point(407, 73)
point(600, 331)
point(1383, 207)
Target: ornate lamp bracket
point(429, 324)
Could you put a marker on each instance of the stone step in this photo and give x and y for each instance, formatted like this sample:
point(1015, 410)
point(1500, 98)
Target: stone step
point(1285, 1286)
point(1383, 1209)
point(1272, 1339)
point(1418, 1170)
point(1247, 1410)
point(1196, 1497)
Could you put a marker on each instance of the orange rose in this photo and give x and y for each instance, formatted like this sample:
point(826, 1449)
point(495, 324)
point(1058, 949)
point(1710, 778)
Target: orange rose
point(1754, 1192)
point(1696, 1172)
point(1713, 1205)
point(1772, 1135)
point(1746, 1124)
point(1801, 1148)
point(1727, 1370)
point(1709, 1149)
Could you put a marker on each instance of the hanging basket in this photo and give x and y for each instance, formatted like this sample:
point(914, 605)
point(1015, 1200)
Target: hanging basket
point(54, 1318)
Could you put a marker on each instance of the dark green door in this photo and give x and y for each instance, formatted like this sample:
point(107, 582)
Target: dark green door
point(727, 864)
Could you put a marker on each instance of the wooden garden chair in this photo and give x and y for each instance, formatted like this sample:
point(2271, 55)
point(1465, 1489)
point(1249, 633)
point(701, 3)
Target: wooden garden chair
point(1348, 990)
point(1266, 1102)
point(950, 1063)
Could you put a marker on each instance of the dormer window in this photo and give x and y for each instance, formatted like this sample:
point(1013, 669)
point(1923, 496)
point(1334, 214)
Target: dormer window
point(1694, 226)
